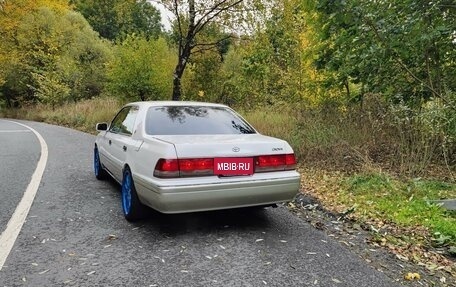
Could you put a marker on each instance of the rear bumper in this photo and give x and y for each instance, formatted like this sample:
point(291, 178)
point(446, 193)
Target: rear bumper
point(218, 195)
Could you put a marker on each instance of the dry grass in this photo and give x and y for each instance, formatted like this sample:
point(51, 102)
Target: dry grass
point(318, 139)
point(82, 115)
point(350, 141)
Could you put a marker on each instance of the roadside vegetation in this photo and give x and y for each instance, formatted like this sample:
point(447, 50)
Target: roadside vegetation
point(365, 92)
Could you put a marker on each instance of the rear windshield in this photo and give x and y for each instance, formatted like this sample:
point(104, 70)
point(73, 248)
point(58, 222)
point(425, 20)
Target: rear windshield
point(194, 120)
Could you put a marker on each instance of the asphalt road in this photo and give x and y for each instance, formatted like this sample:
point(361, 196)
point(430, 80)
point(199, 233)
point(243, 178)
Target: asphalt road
point(19, 153)
point(75, 234)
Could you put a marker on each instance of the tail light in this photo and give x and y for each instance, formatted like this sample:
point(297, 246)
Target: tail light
point(166, 168)
point(290, 160)
point(196, 167)
point(172, 168)
point(279, 162)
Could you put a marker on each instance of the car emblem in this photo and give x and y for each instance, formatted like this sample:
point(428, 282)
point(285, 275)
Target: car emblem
point(236, 149)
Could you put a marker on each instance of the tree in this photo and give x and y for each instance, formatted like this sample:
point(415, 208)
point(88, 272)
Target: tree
point(203, 76)
point(11, 17)
point(140, 69)
point(403, 49)
point(53, 55)
point(115, 19)
point(191, 18)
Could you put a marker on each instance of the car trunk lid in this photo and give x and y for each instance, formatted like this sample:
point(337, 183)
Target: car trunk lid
point(212, 146)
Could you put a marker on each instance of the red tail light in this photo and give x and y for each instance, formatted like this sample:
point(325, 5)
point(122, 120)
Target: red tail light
point(169, 168)
point(196, 167)
point(290, 160)
point(172, 168)
point(275, 162)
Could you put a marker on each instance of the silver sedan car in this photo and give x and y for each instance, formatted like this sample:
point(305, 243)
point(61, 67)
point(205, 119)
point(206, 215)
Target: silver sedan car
point(189, 156)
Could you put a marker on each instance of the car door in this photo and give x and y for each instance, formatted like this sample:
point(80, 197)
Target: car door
point(119, 141)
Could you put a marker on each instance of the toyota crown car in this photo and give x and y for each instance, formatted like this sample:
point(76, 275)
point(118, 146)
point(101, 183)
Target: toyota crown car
point(178, 157)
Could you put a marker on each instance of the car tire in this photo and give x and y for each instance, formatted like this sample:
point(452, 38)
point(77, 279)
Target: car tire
point(100, 172)
point(132, 208)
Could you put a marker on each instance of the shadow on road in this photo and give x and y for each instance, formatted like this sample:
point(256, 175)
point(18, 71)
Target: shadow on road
point(174, 225)
point(206, 222)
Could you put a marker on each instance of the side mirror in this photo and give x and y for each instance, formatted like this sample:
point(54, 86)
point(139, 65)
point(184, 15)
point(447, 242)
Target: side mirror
point(102, 127)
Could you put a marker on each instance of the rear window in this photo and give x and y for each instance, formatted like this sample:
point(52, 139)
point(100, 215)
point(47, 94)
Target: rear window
point(194, 120)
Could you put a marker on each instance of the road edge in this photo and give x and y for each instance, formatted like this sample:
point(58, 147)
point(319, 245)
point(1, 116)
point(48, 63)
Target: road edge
point(9, 235)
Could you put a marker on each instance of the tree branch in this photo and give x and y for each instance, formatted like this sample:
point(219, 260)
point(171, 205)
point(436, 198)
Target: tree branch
point(176, 12)
point(213, 43)
point(398, 60)
point(206, 18)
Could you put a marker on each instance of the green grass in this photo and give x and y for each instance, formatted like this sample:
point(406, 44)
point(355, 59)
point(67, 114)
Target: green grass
point(403, 202)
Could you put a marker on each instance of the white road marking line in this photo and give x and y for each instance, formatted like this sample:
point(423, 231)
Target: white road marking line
point(9, 235)
point(16, 131)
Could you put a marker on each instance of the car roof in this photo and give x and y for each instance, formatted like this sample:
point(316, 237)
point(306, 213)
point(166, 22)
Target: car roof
point(147, 104)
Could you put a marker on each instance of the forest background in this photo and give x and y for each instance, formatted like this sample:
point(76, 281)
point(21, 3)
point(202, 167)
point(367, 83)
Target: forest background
point(364, 91)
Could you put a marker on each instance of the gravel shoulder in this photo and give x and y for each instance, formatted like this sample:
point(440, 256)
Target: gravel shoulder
point(359, 238)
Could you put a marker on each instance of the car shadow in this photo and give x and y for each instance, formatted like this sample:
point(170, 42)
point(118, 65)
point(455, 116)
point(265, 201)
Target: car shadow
point(239, 219)
point(173, 225)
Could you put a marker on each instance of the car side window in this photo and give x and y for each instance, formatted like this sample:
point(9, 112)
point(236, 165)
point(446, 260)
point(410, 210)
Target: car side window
point(124, 121)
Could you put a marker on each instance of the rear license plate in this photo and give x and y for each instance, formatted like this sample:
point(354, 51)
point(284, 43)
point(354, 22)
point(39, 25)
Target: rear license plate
point(233, 166)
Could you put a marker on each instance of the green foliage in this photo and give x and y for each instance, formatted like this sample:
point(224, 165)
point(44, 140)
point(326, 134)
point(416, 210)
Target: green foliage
point(114, 19)
point(50, 89)
point(405, 203)
point(141, 69)
point(272, 61)
point(61, 58)
point(402, 49)
point(424, 134)
point(203, 76)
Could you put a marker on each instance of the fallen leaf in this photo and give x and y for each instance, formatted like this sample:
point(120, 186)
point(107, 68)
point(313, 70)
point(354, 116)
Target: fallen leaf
point(259, 240)
point(161, 259)
point(412, 276)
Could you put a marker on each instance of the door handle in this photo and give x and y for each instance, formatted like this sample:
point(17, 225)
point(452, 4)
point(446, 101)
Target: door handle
point(110, 142)
point(124, 148)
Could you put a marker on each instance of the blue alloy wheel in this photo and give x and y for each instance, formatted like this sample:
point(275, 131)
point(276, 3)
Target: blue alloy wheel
point(98, 169)
point(126, 192)
point(132, 208)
